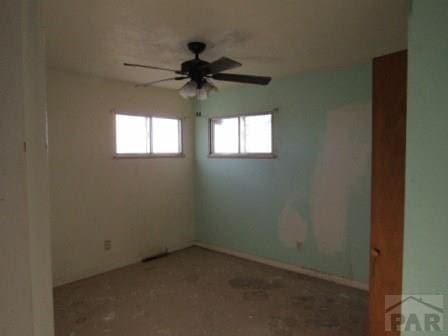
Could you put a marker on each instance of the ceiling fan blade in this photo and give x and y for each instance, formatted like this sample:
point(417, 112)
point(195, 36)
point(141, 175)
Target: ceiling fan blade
point(259, 80)
point(159, 81)
point(219, 65)
point(151, 67)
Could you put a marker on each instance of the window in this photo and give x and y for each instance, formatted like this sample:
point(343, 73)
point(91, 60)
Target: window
point(147, 136)
point(132, 134)
point(165, 136)
point(243, 136)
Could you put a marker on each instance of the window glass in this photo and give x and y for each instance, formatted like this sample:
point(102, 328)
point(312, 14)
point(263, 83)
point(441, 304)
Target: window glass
point(242, 135)
point(225, 136)
point(166, 135)
point(131, 134)
point(256, 134)
point(140, 135)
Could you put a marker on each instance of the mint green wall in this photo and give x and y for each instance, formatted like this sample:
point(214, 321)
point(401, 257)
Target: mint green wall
point(318, 189)
point(426, 216)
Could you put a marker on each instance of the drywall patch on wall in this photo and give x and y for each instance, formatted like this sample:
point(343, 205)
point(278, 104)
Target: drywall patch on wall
point(342, 161)
point(292, 227)
point(265, 207)
point(341, 164)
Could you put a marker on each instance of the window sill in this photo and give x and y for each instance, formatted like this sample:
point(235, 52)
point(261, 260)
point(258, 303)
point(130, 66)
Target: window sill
point(149, 156)
point(243, 156)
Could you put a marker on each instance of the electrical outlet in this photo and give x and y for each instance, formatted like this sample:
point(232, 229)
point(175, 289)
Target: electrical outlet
point(107, 245)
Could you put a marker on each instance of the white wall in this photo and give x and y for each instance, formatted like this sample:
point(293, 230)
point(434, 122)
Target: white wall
point(25, 271)
point(142, 205)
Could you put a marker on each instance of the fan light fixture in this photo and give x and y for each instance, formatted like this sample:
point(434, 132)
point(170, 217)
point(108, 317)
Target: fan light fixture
point(199, 74)
point(191, 90)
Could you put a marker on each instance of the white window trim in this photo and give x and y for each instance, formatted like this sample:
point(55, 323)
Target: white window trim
point(240, 155)
point(150, 155)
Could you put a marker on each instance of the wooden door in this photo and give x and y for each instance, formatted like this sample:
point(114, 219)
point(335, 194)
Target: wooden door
point(388, 182)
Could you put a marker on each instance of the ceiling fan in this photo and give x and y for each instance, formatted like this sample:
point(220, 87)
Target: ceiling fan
point(200, 72)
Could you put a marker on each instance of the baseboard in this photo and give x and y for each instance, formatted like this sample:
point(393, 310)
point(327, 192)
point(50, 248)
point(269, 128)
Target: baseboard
point(292, 268)
point(101, 269)
point(288, 267)
point(92, 272)
point(180, 246)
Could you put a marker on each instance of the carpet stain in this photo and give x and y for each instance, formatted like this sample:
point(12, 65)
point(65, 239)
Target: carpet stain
point(255, 283)
point(282, 325)
point(191, 278)
point(302, 299)
point(255, 295)
point(81, 320)
point(109, 317)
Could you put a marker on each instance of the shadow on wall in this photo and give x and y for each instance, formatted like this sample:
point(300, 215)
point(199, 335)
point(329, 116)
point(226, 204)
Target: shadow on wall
point(341, 167)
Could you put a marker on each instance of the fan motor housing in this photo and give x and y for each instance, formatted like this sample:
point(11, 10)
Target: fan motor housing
point(192, 65)
point(192, 68)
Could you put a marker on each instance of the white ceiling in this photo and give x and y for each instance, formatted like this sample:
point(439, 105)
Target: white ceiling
point(270, 37)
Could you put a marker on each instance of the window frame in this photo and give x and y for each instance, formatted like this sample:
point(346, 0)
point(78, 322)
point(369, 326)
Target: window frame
point(149, 155)
point(239, 155)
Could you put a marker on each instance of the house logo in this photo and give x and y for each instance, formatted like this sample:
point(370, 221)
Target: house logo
point(414, 313)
